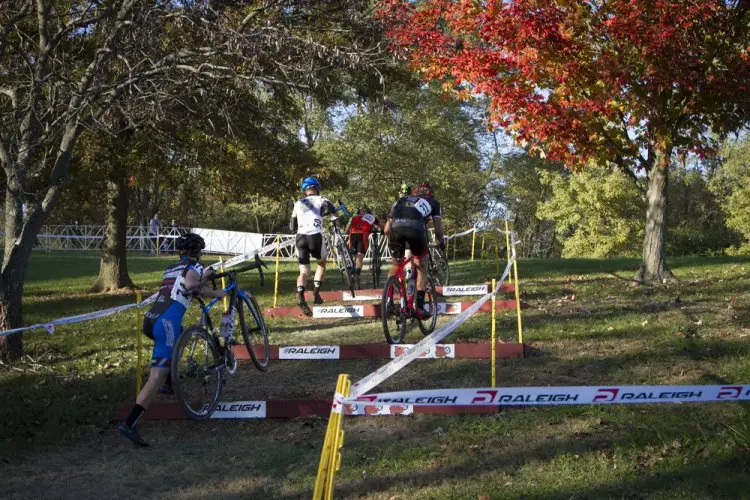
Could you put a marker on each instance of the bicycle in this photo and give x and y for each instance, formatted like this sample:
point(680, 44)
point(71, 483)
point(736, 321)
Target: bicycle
point(398, 304)
point(343, 257)
point(201, 355)
point(375, 262)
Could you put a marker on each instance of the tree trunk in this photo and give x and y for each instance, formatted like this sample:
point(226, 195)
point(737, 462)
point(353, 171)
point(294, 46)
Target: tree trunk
point(11, 294)
point(654, 267)
point(11, 278)
point(113, 267)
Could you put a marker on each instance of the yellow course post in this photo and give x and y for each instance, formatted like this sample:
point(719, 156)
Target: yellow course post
point(481, 253)
point(518, 303)
point(507, 249)
point(276, 281)
point(223, 285)
point(139, 346)
point(330, 456)
point(493, 328)
point(473, 242)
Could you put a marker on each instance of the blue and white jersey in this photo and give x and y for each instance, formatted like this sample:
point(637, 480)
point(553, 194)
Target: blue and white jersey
point(309, 212)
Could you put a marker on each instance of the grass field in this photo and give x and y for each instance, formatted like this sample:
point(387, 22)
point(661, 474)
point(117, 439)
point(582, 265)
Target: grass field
point(56, 405)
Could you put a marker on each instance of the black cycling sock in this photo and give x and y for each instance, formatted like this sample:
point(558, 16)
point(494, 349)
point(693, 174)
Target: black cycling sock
point(135, 415)
point(301, 289)
point(420, 299)
point(169, 378)
point(358, 271)
point(317, 284)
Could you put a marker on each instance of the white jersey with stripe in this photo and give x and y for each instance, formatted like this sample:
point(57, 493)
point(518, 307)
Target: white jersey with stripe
point(309, 212)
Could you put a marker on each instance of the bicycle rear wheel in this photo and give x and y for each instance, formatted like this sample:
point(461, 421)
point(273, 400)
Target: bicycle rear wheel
point(254, 332)
point(196, 373)
point(427, 325)
point(393, 311)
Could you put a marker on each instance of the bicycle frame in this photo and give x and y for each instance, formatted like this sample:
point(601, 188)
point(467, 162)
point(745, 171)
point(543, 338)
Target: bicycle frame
point(235, 294)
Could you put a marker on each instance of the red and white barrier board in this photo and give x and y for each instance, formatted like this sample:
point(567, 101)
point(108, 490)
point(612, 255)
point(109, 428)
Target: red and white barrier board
point(551, 396)
point(435, 351)
point(339, 312)
point(309, 352)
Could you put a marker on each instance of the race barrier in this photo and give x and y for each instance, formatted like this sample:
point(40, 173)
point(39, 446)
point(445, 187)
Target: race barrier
point(553, 396)
point(293, 408)
point(385, 351)
point(377, 293)
point(373, 310)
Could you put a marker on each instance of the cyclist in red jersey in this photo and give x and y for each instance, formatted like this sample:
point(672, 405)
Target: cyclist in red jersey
point(360, 228)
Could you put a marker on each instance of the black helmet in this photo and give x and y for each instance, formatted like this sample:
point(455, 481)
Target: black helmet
point(364, 209)
point(190, 243)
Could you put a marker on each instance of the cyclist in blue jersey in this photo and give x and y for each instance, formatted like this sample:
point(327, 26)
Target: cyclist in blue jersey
point(163, 322)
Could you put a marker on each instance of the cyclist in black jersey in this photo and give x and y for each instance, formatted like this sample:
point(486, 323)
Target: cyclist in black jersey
point(163, 322)
point(406, 225)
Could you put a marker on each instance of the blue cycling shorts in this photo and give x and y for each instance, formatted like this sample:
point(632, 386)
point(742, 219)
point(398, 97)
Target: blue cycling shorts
point(166, 330)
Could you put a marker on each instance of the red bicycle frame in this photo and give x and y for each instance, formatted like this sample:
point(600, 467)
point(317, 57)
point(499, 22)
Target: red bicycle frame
point(398, 272)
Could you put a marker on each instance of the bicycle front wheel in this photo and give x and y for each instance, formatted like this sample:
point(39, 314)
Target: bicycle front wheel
point(254, 332)
point(196, 373)
point(393, 311)
point(427, 325)
point(375, 262)
point(440, 267)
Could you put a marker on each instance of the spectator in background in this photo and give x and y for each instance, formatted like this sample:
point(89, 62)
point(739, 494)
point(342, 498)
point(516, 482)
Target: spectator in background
point(153, 231)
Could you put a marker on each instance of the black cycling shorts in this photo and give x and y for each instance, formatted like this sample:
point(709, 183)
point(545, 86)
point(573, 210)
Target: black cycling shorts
point(413, 238)
point(357, 243)
point(310, 244)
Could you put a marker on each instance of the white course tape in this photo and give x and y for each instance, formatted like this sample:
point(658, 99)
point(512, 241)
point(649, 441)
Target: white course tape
point(239, 259)
point(424, 345)
point(623, 394)
point(50, 326)
point(463, 233)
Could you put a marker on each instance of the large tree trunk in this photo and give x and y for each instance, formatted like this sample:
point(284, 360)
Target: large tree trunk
point(11, 277)
point(654, 267)
point(113, 267)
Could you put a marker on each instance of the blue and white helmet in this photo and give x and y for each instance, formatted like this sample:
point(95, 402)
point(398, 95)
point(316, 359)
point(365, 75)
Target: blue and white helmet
point(310, 182)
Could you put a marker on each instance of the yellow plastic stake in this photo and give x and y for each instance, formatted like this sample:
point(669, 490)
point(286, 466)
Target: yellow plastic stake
point(223, 285)
point(507, 249)
point(278, 261)
point(518, 304)
point(493, 328)
point(473, 242)
point(139, 346)
point(330, 456)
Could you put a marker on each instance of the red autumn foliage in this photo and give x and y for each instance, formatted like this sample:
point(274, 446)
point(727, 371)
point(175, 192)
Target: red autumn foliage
point(582, 80)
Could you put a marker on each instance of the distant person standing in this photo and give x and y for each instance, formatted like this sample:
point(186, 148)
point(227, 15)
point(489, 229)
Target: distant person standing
point(153, 231)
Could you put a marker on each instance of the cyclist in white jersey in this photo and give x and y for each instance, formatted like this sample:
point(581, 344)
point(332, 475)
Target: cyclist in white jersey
point(307, 220)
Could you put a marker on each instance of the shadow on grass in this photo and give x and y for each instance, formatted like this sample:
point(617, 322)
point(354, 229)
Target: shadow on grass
point(40, 409)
